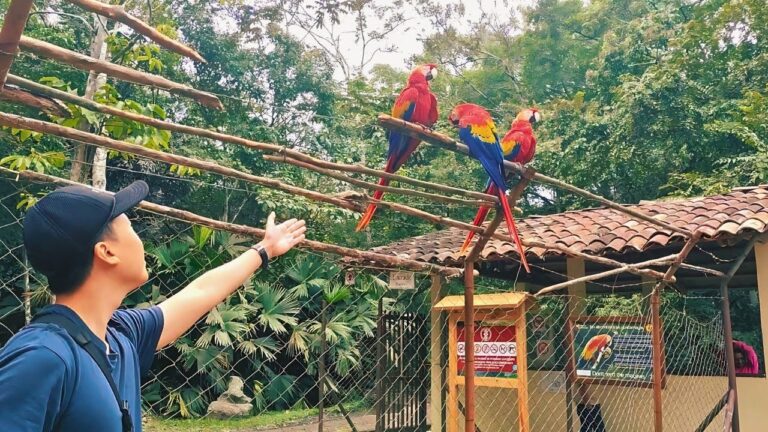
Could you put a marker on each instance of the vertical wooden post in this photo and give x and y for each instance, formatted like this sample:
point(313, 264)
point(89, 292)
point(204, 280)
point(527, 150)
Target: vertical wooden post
point(321, 369)
point(658, 363)
point(436, 321)
point(452, 422)
point(521, 339)
point(727, 325)
point(380, 362)
point(729, 355)
point(469, 346)
point(574, 307)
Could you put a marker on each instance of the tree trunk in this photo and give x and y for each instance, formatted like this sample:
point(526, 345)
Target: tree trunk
point(81, 159)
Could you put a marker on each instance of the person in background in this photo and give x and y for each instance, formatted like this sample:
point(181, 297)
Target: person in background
point(745, 359)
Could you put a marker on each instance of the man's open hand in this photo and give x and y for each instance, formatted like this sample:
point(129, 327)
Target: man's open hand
point(279, 239)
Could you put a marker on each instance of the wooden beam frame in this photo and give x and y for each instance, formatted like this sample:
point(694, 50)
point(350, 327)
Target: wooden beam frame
point(281, 154)
point(45, 104)
point(20, 122)
point(118, 13)
point(658, 261)
point(189, 217)
point(13, 26)
point(87, 63)
point(373, 186)
point(440, 140)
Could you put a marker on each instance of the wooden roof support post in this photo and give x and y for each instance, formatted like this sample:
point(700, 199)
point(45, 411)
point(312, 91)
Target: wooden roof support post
point(658, 356)
point(87, 63)
point(13, 26)
point(728, 328)
point(388, 261)
point(437, 377)
point(448, 143)
point(118, 13)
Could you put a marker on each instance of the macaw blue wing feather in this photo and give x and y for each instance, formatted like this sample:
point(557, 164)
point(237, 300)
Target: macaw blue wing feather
point(488, 153)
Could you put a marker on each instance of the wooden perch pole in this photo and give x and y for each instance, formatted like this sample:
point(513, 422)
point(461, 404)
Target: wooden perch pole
point(43, 103)
point(20, 122)
point(282, 152)
point(13, 26)
point(189, 217)
point(658, 261)
point(84, 62)
point(448, 143)
point(118, 13)
point(374, 186)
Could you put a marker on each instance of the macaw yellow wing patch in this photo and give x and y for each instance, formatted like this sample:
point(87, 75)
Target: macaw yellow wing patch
point(484, 132)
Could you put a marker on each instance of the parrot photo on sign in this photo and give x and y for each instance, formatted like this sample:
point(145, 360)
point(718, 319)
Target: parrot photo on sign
point(416, 104)
point(518, 145)
point(478, 131)
point(597, 349)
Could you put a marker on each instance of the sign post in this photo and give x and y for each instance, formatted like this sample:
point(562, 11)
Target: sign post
point(499, 346)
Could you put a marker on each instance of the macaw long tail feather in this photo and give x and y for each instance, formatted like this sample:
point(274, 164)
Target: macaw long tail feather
point(513, 229)
point(368, 215)
point(482, 213)
point(479, 219)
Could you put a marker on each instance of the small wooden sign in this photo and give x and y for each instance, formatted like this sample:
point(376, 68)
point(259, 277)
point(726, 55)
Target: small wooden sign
point(349, 277)
point(402, 280)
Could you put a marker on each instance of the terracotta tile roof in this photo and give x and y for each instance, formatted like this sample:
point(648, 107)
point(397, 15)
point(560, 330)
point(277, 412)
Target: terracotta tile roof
point(742, 212)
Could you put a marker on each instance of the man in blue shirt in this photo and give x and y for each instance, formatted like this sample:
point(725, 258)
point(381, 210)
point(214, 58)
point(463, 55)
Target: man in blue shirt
point(82, 241)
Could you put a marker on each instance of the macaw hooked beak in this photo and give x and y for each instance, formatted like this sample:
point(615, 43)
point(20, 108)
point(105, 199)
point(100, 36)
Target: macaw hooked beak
point(535, 118)
point(432, 74)
point(454, 120)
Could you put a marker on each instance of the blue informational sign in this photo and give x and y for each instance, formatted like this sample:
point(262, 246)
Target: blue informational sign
point(613, 351)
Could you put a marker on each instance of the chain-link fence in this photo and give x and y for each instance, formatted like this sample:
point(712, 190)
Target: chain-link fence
point(327, 343)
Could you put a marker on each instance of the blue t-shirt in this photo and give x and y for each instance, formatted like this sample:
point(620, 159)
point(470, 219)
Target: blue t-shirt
point(48, 382)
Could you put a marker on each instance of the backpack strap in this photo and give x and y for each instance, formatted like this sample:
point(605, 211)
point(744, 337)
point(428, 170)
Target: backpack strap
point(96, 354)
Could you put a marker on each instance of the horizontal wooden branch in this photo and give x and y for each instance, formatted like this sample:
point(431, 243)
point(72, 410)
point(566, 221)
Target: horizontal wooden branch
point(20, 122)
point(84, 62)
point(13, 26)
point(601, 275)
point(255, 145)
point(440, 140)
point(374, 186)
point(702, 270)
point(186, 216)
point(43, 103)
point(118, 13)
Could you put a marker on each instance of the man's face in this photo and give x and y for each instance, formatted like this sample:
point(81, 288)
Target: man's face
point(738, 358)
point(124, 244)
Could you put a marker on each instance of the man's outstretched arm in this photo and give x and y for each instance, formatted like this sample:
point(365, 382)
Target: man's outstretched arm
point(182, 310)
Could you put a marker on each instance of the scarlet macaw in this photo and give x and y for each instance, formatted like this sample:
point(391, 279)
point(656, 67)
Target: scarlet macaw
point(478, 131)
point(518, 145)
point(416, 104)
point(597, 346)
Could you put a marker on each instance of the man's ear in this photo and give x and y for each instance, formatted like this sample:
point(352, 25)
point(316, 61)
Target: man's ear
point(102, 252)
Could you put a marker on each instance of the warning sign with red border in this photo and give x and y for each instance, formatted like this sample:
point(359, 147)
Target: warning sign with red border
point(495, 351)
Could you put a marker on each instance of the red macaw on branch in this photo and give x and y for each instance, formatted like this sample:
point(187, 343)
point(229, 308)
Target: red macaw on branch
point(478, 131)
point(518, 145)
point(415, 104)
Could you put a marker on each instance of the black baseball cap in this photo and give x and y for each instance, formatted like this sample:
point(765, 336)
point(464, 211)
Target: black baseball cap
point(62, 228)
